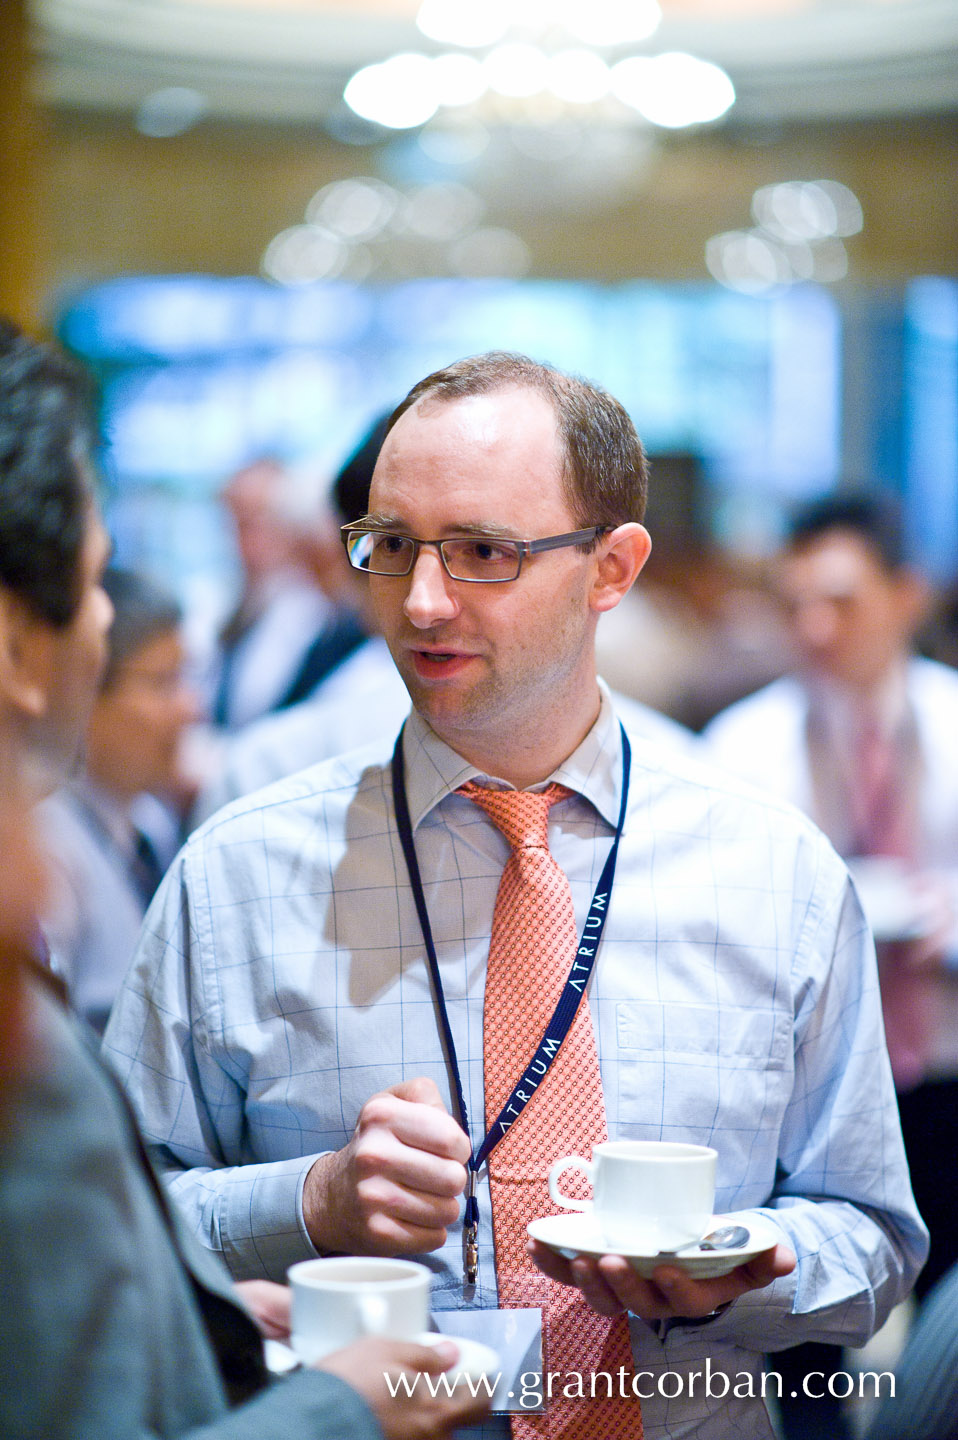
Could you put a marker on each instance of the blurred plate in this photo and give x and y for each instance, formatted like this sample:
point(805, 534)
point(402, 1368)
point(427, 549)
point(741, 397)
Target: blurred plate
point(897, 905)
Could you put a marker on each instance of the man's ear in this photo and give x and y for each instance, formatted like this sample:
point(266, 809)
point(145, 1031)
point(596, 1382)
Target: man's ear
point(620, 556)
point(914, 599)
point(27, 644)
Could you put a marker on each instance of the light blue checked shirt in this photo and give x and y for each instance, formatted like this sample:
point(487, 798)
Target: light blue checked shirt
point(280, 981)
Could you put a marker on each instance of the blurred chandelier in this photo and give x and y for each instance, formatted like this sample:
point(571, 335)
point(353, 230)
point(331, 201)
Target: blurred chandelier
point(539, 62)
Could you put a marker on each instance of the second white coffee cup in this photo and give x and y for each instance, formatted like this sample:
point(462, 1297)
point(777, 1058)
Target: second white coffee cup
point(343, 1298)
point(649, 1195)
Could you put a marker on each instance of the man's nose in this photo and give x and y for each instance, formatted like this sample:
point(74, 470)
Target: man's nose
point(188, 706)
point(814, 624)
point(431, 597)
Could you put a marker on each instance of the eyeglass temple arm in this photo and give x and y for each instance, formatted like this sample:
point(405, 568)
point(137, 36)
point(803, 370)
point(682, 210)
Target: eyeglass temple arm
point(556, 542)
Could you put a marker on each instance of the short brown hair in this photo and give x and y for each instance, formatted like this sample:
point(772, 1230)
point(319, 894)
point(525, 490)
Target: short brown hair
point(606, 473)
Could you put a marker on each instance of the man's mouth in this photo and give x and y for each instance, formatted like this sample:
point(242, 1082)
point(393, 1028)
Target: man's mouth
point(434, 664)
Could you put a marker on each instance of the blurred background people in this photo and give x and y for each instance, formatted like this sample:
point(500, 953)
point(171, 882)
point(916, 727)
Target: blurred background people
point(105, 863)
point(357, 700)
point(113, 1325)
point(285, 632)
point(702, 634)
point(702, 630)
point(862, 736)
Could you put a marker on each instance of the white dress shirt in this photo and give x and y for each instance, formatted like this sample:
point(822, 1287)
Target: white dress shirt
point(281, 981)
point(291, 612)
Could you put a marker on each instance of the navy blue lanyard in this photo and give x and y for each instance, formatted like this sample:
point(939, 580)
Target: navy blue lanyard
point(562, 1017)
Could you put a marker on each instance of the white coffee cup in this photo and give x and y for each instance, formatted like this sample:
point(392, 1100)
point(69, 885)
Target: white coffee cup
point(345, 1297)
point(649, 1195)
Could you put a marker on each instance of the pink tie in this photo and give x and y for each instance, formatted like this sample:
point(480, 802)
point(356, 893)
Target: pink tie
point(530, 955)
point(879, 808)
point(884, 827)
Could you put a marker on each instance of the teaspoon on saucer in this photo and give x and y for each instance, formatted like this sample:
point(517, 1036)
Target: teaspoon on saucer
point(726, 1237)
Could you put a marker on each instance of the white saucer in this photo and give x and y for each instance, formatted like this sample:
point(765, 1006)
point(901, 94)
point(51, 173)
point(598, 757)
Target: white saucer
point(475, 1360)
point(280, 1357)
point(578, 1234)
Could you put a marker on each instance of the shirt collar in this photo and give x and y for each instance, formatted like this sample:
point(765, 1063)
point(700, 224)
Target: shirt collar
point(844, 712)
point(593, 770)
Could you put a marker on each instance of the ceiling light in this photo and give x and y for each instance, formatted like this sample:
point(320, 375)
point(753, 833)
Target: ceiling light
point(458, 79)
point(745, 261)
point(794, 210)
point(516, 69)
point(541, 60)
point(303, 254)
point(579, 76)
point(461, 22)
point(361, 225)
point(356, 209)
point(848, 209)
point(807, 209)
point(798, 237)
point(611, 22)
point(400, 93)
point(674, 89)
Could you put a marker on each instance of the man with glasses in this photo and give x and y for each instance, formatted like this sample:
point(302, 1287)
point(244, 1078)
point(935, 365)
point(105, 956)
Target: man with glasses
point(365, 698)
point(316, 1030)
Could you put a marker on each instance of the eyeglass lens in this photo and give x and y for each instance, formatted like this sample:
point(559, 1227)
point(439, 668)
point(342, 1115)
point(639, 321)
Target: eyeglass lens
point(475, 558)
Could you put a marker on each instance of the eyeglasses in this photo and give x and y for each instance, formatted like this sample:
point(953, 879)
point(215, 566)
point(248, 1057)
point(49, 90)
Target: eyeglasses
point(477, 559)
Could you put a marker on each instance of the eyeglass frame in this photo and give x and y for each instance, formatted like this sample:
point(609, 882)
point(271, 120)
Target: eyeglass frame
point(524, 548)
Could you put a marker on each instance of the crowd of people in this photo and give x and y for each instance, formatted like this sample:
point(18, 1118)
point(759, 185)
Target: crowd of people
point(320, 969)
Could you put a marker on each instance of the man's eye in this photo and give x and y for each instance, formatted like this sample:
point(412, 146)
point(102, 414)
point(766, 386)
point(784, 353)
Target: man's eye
point(390, 544)
point(487, 552)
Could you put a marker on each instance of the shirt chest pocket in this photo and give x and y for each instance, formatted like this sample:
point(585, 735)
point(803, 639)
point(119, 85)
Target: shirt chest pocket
point(694, 1071)
point(735, 1035)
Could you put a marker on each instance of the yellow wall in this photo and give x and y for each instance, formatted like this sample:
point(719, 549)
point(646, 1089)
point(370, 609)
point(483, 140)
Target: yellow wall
point(114, 202)
point(20, 262)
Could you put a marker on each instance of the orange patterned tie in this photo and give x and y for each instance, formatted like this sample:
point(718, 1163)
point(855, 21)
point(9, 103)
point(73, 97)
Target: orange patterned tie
point(530, 955)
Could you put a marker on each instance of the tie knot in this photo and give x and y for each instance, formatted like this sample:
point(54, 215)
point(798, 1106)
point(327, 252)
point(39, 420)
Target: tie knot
point(521, 815)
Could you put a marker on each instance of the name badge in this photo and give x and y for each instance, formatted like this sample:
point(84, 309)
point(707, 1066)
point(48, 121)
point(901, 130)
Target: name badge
point(516, 1337)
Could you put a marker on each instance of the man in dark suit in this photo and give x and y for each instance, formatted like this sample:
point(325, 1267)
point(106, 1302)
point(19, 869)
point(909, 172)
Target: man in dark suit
point(114, 1325)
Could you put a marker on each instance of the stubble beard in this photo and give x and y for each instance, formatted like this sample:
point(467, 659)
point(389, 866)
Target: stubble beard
point(500, 711)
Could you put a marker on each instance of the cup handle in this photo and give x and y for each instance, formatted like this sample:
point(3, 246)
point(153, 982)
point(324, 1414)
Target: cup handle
point(557, 1196)
point(374, 1312)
